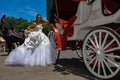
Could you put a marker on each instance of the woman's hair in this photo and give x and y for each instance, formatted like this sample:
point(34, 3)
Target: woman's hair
point(38, 15)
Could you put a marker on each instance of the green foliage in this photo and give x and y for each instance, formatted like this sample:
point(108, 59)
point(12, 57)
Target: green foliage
point(46, 29)
point(19, 23)
point(16, 23)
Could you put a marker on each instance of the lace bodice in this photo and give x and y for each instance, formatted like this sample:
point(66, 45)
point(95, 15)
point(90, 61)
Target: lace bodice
point(39, 28)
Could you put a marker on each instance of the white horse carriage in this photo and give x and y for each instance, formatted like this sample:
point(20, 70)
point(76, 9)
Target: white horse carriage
point(92, 29)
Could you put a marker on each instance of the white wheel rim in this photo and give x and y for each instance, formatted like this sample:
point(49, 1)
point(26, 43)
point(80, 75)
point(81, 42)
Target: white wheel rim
point(98, 58)
point(79, 53)
point(52, 38)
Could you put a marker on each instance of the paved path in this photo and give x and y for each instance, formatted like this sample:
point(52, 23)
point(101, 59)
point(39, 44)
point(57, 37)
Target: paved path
point(69, 68)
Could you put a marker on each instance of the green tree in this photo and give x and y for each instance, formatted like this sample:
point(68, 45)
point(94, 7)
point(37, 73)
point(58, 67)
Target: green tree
point(19, 23)
point(16, 23)
point(47, 28)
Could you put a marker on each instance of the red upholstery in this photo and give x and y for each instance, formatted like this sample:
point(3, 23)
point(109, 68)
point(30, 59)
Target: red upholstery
point(111, 6)
point(69, 30)
point(67, 23)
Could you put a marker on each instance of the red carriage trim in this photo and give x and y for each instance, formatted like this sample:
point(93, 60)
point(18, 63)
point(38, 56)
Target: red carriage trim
point(57, 33)
point(63, 22)
point(111, 6)
point(68, 31)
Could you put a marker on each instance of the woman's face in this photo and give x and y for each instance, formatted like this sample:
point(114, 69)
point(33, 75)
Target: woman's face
point(39, 18)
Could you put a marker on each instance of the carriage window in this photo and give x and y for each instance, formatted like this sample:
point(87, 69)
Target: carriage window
point(110, 6)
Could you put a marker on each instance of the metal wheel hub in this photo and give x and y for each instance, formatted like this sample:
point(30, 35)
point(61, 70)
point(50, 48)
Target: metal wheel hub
point(99, 54)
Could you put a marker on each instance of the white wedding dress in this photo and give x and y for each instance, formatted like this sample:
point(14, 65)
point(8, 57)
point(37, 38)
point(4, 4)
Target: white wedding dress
point(35, 51)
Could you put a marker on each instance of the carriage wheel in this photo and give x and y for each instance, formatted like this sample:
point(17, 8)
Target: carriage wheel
point(79, 53)
point(101, 53)
point(52, 38)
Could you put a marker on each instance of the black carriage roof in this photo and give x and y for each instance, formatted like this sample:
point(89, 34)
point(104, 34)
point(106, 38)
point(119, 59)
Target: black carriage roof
point(63, 9)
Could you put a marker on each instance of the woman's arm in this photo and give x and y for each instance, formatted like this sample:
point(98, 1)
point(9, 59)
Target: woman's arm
point(31, 27)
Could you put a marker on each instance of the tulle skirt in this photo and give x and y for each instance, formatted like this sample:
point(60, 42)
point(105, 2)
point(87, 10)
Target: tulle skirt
point(41, 55)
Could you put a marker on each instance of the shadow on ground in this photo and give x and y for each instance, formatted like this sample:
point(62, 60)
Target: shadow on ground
point(73, 66)
point(77, 67)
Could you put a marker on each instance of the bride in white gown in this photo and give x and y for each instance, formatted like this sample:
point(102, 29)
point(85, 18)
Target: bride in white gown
point(35, 51)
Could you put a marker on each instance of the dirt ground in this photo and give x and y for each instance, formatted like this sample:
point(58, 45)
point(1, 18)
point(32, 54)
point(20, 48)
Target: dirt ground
point(69, 67)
